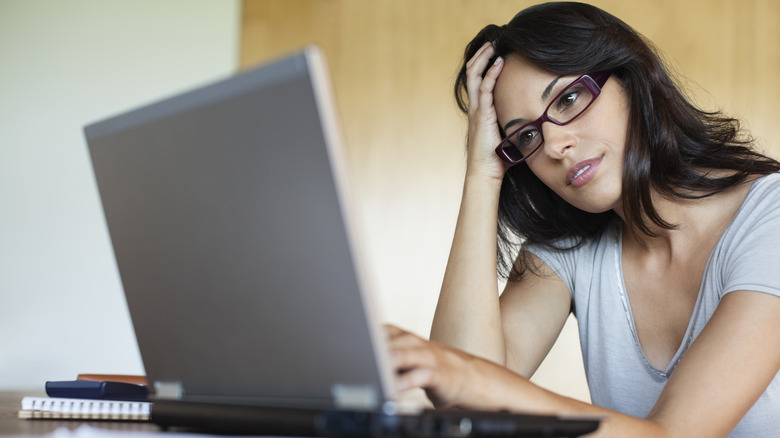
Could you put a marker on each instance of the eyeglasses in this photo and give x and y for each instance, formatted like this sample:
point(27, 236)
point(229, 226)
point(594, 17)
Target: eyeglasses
point(569, 104)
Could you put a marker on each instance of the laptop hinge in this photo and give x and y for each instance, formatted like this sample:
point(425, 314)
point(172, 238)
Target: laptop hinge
point(168, 390)
point(363, 397)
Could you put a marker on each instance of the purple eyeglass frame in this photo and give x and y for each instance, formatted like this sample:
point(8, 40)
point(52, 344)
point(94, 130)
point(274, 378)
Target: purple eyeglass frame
point(595, 84)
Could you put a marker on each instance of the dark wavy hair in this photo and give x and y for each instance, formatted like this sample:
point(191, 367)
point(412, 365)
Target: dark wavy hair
point(672, 146)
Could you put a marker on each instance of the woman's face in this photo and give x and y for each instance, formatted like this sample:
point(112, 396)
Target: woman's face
point(581, 161)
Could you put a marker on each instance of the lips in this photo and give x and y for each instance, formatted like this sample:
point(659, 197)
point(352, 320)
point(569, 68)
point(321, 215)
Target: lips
point(581, 172)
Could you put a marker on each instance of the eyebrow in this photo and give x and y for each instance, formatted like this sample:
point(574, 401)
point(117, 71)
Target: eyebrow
point(548, 90)
point(545, 96)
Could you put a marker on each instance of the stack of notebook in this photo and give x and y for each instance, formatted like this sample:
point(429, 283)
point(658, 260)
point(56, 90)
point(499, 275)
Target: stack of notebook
point(91, 397)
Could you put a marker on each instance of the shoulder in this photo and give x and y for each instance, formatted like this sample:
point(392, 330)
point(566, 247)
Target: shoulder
point(748, 249)
point(571, 257)
point(761, 204)
point(766, 185)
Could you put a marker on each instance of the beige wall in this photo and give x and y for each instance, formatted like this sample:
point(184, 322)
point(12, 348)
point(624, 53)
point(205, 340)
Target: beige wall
point(393, 63)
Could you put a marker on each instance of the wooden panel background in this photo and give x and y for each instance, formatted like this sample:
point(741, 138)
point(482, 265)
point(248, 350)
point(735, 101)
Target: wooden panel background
point(393, 64)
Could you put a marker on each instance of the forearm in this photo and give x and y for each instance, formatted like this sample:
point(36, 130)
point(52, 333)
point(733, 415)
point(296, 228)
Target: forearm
point(517, 394)
point(708, 394)
point(454, 379)
point(613, 424)
point(468, 315)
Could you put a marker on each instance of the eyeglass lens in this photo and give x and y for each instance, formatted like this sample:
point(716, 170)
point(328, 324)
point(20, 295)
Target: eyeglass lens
point(569, 104)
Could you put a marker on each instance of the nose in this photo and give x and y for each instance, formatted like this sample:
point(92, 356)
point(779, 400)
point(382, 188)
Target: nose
point(557, 140)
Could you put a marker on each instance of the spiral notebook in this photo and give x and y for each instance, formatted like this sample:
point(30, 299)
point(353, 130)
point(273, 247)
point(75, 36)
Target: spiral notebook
point(83, 409)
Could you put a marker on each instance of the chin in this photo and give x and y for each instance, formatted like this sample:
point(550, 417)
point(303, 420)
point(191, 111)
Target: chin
point(600, 197)
point(596, 210)
point(600, 205)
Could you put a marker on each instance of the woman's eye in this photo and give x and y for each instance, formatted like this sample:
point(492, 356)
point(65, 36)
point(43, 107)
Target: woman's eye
point(568, 99)
point(526, 137)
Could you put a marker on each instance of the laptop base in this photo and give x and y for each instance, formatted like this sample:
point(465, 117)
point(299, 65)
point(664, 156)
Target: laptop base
point(261, 420)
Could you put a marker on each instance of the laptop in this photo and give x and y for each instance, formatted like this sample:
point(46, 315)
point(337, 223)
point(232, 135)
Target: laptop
point(234, 233)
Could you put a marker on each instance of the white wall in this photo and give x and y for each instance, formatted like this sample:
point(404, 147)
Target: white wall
point(64, 64)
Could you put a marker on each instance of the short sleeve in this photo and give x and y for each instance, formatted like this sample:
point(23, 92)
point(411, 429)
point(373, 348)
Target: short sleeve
point(750, 249)
point(578, 266)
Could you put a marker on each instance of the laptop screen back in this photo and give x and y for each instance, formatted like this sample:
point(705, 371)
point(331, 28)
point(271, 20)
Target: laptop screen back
point(230, 222)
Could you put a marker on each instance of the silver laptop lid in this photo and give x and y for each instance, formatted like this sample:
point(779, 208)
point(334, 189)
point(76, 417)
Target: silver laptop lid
point(231, 223)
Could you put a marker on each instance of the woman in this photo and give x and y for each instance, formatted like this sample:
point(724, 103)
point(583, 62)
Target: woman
point(654, 222)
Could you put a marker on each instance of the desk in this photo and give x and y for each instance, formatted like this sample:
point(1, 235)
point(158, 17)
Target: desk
point(11, 424)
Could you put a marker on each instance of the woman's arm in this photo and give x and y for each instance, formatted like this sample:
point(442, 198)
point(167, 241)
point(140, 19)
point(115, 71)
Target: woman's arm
point(533, 313)
point(724, 372)
point(468, 315)
point(727, 368)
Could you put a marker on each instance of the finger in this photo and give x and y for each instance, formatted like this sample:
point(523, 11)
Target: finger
point(440, 393)
point(392, 330)
point(408, 344)
point(399, 336)
point(478, 54)
point(415, 378)
point(475, 70)
point(405, 348)
point(488, 83)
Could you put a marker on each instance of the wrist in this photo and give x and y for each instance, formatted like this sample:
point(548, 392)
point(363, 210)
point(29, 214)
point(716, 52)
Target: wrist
point(509, 391)
point(493, 387)
point(483, 183)
point(490, 169)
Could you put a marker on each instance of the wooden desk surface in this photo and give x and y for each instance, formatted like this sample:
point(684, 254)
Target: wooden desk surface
point(11, 424)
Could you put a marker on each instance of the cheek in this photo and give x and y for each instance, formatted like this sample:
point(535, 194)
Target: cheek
point(543, 171)
point(618, 115)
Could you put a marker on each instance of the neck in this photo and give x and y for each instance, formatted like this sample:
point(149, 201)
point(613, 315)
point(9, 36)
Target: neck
point(682, 214)
point(693, 221)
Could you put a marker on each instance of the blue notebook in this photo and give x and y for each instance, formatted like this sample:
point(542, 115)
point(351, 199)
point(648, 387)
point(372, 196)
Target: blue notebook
point(97, 390)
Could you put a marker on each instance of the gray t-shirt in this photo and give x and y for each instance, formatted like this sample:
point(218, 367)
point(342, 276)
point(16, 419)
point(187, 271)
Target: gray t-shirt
point(619, 375)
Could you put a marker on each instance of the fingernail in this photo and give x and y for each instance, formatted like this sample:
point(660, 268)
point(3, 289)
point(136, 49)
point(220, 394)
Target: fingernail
point(498, 61)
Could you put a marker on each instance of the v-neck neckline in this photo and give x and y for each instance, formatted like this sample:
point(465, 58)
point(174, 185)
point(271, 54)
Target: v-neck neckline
point(623, 291)
point(687, 337)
